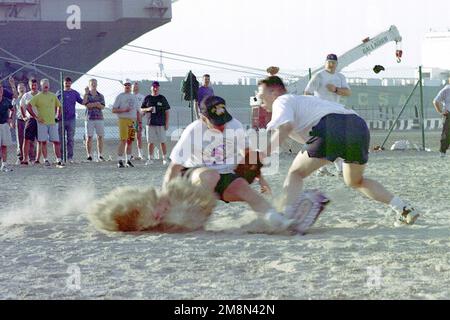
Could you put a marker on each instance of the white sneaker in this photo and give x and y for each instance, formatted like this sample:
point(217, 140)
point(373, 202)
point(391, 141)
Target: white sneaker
point(149, 162)
point(408, 216)
point(164, 162)
point(5, 168)
point(305, 211)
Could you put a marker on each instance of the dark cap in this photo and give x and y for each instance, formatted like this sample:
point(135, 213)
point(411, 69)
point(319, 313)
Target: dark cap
point(214, 109)
point(155, 84)
point(332, 57)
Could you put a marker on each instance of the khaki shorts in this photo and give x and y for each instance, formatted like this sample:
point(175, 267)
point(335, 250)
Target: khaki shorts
point(5, 135)
point(127, 130)
point(156, 134)
point(95, 125)
point(47, 132)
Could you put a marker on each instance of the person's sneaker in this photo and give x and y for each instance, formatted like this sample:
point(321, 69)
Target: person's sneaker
point(408, 216)
point(5, 168)
point(60, 164)
point(89, 158)
point(324, 172)
point(101, 159)
point(139, 158)
point(129, 164)
point(132, 157)
point(24, 163)
point(164, 162)
point(149, 162)
point(37, 162)
point(47, 163)
point(305, 211)
point(120, 164)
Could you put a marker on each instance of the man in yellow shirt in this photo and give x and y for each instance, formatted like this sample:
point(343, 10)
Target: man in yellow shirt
point(48, 108)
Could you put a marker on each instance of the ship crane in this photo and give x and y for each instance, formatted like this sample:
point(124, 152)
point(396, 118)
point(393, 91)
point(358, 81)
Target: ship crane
point(260, 117)
point(365, 48)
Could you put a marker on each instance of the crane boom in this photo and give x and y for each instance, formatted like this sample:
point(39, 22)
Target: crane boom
point(364, 49)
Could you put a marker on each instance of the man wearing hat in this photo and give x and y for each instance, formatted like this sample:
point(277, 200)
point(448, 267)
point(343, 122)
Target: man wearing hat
point(157, 108)
point(329, 85)
point(208, 153)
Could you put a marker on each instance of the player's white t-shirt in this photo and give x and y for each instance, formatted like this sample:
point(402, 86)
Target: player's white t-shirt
point(26, 98)
point(304, 112)
point(318, 85)
point(200, 146)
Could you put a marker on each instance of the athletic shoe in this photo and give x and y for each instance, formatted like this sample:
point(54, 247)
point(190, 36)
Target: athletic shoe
point(120, 164)
point(408, 216)
point(60, 164)
point(305, 211)
point(149, 162)
point(47, 163)
point(324, 172)
point(129, 164)
point(132, 158)
point(164, 162)
point(139, 158)
point(5, 168)
point(37, 162)
point(101, 159)
point(89, 158)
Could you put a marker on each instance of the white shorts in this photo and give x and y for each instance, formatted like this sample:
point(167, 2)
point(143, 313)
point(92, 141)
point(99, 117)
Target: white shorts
point(95, 125)
point(48, 132)
point(5, 135)
point(156, 134)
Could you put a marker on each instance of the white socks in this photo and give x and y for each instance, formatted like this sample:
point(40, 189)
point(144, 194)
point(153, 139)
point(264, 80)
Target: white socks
point(397, 204)
point(276, 219)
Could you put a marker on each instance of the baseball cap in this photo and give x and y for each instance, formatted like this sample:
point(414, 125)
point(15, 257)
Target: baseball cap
point(155, 84)
point(332, 57)
point(214, 109)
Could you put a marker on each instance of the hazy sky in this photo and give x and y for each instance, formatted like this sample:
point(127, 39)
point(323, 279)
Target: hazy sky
point(291, 34)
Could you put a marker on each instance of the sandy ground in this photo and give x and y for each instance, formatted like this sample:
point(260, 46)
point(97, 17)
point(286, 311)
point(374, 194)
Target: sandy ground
point(48, 249)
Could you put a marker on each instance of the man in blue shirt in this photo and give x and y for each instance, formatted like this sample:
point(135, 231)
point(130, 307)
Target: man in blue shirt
point(69, 97)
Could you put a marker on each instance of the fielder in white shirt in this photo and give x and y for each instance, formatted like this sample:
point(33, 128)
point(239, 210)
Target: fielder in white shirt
point(329, 85)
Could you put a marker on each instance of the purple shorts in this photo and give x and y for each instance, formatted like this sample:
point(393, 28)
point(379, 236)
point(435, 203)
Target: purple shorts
point(343, 136)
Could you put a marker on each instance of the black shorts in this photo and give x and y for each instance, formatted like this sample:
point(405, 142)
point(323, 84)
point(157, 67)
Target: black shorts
point(224, 182)
point(343, 136)
point(31, 129)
